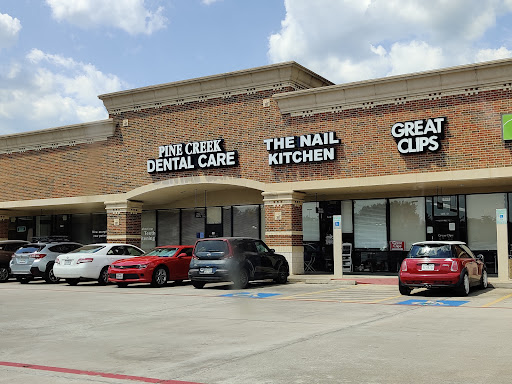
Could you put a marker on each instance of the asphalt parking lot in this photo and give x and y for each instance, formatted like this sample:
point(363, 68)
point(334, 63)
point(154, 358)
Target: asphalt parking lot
point(268, 333)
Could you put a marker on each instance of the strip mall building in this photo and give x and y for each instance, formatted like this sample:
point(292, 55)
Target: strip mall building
point(275, 152)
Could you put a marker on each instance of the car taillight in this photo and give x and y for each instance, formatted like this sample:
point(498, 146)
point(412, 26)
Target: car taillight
point(455, 266)
point(85, 260)
point(37, 255)
point(404, 265)
point(57, 261)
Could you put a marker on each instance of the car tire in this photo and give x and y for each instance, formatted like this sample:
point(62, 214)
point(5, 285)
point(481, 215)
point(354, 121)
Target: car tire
point(103, 278)
point(198, 284)
point(403, 289)
point(159, 277)
point(4, 273)
point(72, 282)
point(122, 285)
point(49, 276)
point(484, 282)
point(242, 279)
point(463, 288)
point(282, 275)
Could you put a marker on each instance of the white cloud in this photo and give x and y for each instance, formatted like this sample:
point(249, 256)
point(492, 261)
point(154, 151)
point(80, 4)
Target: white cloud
point(129, 15)
point(209, 2)
point(45, 89)
point(9, 30)
point(350, 40)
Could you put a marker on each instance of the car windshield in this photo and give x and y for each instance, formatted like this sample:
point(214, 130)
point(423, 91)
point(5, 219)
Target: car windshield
point(439, 251)
point(30, 249)
point(211, 246)
point(88, 249)
point(162, 252)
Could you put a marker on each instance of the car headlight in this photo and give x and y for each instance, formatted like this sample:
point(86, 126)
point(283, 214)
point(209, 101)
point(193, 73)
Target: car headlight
point(141, 266)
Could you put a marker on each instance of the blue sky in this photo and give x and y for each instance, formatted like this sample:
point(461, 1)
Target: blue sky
point(56, 56)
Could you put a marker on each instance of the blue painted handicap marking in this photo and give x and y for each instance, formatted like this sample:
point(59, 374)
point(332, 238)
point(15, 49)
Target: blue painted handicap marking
point(251, 295)
point(434, 303)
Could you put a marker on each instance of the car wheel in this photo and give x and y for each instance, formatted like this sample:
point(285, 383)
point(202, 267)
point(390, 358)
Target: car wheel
point(72, 281)
point(4, 273)
point(242, 279)
point(282, 275)
point(198, 284)
point(463, 288)
point(403, 289)
point(103, 279)
point(159, 277)
point(122, 285)
point(483, 280)
point(49, 276)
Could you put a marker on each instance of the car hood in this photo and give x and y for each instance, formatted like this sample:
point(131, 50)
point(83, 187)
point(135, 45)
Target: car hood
point(137, 260)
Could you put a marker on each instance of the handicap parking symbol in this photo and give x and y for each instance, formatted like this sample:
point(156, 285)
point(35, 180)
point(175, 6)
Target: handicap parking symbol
point(434, 303)
point(251, 295)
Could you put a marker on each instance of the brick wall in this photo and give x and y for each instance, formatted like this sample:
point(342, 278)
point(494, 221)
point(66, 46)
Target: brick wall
point(472, 140)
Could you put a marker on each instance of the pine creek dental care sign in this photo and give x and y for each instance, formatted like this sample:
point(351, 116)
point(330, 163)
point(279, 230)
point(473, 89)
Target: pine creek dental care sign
point(301, 149)
point(419, 136)
point(193, 155)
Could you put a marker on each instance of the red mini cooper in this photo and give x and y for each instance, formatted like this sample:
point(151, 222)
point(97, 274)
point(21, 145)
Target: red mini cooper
point(168, 262)
point(437, 264)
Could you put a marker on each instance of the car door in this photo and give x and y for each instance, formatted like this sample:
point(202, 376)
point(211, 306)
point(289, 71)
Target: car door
point(180, 265)
point(476, 264)
point(268, 259)
point(251, 255)
point(468, 262)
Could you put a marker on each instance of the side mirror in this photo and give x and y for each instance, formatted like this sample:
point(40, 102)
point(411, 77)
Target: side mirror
point(272, 250)
point(181, 255)
point(480, 257)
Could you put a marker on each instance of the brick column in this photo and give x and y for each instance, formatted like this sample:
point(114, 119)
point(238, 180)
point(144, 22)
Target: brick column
point(4, 227)
point(283, 226)
point(124, 222)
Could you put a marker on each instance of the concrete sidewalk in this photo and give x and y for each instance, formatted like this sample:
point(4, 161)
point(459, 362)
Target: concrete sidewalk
point(366, 279)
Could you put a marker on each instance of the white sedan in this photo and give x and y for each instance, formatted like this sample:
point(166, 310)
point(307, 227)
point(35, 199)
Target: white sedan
point(91, 262)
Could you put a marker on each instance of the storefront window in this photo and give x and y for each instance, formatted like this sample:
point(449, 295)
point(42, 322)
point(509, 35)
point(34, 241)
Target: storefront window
point(346, 216)
point(148, 230)
point(310, 222)
point(246, 221)
point(192, 225)
point(168, 229)
point(370, 224)
point(81, 228)
point(407, 220)
point(481, 220)
point(99, 227)
point(226, 221)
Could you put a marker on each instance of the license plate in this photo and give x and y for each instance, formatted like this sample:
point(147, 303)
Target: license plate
point(67, 262)
point(427, 267)
point(22, 261)
point(206, 271)
point(119, 276)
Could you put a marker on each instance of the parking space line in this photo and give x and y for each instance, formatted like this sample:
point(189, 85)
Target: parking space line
point(387, 298)
point(497, 300)
point(311, 293)
point(92, 373)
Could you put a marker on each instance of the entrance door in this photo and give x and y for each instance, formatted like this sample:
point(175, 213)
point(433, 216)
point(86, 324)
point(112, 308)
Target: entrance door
point(446, 218)
point(213, 222)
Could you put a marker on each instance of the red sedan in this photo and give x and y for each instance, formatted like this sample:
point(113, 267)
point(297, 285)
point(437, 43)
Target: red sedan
point(437, 264)
point(168, 262)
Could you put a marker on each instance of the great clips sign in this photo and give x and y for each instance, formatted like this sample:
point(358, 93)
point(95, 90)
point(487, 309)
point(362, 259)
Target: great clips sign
point(419, 135)
point(193, 155)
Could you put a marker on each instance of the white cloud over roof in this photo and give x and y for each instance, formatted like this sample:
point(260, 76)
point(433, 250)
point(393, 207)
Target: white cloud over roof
point(131, 16)
point(9, 30)
point(350, 40)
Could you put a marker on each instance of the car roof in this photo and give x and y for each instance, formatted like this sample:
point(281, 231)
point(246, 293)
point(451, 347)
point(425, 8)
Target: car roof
point(228, 238)
point(440, 242)
point(173, 246)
